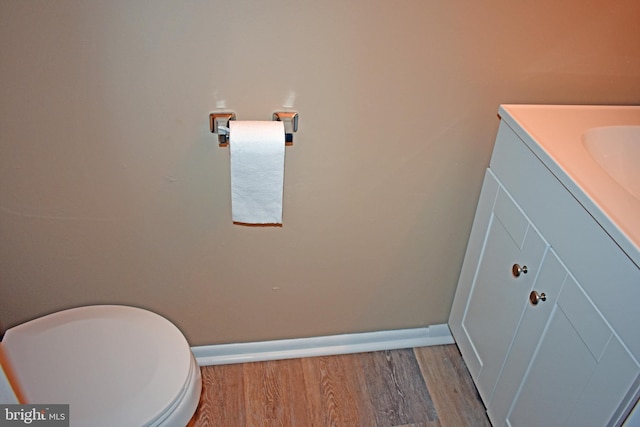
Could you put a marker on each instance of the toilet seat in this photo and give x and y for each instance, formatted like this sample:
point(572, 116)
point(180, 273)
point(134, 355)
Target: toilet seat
point(114, 366)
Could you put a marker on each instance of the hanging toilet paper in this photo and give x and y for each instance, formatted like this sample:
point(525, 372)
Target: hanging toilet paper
point(257, 171)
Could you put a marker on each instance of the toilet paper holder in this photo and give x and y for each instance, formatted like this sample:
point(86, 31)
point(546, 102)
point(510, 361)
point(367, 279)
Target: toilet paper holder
point(219, 123)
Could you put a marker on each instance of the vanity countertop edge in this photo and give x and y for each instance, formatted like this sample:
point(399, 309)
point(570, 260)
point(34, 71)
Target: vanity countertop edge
point(515, 115)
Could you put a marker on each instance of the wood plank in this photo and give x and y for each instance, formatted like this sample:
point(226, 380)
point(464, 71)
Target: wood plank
point(398, 391)
point(222, 398)
point(435, 423)
point(451, 387)
point(336, 392)
point(275, 394)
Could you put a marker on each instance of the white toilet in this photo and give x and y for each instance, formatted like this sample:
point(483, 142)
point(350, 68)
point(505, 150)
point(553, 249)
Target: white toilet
point(113, 365)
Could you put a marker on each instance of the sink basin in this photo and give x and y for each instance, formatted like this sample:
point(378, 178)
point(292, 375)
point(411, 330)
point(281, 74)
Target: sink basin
point(617, 150)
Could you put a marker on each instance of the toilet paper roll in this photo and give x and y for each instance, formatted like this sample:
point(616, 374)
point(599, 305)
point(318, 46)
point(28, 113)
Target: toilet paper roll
point(257, 171)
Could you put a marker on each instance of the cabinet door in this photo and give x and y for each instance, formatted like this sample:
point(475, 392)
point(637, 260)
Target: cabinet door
point(549, 281)
point(580, 371)
point(497, 297)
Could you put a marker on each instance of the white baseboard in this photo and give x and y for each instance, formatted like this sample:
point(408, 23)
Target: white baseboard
point(224, 354)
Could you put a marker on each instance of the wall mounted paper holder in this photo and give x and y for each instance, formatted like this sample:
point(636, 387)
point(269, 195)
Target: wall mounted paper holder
point(219, 123)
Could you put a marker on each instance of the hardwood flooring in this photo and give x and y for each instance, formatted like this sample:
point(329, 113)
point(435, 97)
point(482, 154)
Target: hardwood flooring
point(421, 387)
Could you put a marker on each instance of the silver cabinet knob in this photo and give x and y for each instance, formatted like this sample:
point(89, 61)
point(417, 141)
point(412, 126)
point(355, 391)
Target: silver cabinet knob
point(535, 298)
point(516, 270)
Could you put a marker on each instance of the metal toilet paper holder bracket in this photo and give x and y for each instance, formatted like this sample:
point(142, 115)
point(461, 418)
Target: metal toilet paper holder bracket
point(290, 120)
point(219, 123)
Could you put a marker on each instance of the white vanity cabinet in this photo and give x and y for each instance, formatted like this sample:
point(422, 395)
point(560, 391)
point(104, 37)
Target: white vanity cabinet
point(559, 344)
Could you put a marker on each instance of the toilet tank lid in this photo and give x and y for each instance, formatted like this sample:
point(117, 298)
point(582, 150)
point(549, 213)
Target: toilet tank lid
point(101, 360)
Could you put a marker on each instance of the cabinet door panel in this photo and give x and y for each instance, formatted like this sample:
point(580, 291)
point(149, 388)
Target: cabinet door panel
point(559, 372)
point(586, 320)
point(617, 372)
point(574, 379)
point(497, 298)
point(484, 213)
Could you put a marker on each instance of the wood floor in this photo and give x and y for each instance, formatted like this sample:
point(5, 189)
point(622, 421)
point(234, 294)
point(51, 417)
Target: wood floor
point(421, 387)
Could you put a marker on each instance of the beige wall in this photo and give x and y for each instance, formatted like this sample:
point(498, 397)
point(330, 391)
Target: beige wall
point(112, 189)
